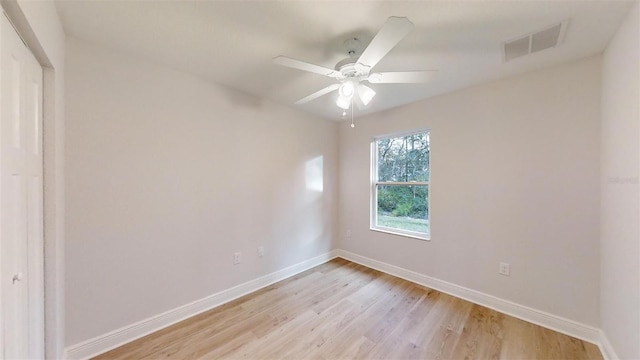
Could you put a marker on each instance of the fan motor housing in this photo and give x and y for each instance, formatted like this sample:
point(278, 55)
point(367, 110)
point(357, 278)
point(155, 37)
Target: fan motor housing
point(347, 67)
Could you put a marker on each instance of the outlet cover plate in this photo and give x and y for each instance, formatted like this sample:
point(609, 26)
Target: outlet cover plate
point(505, 269)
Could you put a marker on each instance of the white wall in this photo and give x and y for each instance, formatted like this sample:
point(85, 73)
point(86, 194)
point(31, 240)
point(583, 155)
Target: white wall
point(39, 25)
point(168, 175)
point(620, 216)
point(515, 177)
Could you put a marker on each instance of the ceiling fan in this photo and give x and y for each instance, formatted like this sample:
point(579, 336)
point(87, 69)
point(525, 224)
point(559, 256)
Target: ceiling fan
point(352, 72)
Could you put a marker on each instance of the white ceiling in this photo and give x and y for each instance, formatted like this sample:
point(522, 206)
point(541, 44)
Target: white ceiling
point(232, 42)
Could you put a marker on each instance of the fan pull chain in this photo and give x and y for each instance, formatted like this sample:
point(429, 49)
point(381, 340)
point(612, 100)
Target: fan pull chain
point(352, 124)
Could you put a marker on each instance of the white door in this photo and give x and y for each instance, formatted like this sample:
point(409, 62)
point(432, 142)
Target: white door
point(21, 193)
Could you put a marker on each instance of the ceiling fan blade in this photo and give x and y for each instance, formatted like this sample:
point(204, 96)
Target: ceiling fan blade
point(389, 36)
point(305, 66)
point(402, 77)
point(317, 94)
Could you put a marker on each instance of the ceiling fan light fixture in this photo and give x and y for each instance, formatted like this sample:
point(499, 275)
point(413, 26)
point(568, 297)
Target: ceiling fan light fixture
point(366, 94)
point(347, 89)
point(343, 102)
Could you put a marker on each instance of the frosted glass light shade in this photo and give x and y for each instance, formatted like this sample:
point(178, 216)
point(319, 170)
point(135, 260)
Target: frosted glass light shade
point(343, 102)
point(366, 94)
point(346, 89)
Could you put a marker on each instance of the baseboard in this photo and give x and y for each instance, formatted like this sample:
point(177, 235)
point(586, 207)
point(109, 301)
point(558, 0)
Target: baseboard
point(606, 349)
point(550, 321)
point(113, 339)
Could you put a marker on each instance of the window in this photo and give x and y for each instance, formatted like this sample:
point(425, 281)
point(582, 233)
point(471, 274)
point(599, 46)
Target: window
point(400, 185)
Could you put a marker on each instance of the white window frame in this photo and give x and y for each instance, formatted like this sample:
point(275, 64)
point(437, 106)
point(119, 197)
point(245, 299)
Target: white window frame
point(375, 183)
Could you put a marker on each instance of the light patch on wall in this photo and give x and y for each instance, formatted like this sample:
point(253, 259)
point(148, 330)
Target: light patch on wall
point(313, 174)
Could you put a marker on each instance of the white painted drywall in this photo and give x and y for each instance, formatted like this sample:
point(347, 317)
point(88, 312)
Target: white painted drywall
point(515, 178)
point(39, 25)
point(620, 215)
point(168, 175)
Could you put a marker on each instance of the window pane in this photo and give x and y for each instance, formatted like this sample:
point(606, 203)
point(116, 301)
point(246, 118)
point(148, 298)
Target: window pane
point(403, 207)
point(404, 158)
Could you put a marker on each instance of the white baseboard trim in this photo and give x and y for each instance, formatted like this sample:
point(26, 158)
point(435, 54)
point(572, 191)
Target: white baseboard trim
point(103, 343)
point(606, 349)
point(550, 321)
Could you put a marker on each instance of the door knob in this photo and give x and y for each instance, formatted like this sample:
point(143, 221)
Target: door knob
point(17, 277)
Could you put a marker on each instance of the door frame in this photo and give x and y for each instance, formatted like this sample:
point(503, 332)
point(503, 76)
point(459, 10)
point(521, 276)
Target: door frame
point(34, 23)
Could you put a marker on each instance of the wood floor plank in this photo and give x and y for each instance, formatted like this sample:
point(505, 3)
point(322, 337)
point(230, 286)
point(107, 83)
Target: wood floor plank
point(592, 351)
point(390, 296)
point(433, 322)
point(357, 350)
point(317, 331)
point(518, 342)
point(342, 310)
point(277, 341)
point(195, 346)
point(480, 337)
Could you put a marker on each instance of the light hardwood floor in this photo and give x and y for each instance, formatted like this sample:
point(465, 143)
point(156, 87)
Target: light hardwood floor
point(341, 310)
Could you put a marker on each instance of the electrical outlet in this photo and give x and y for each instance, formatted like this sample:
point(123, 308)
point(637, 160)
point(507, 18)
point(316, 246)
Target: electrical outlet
point(260, 251)
point(236, 258)
point(505, 269)
point(348, 234)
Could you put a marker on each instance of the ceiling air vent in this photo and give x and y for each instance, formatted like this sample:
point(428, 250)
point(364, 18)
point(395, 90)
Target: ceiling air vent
point(546, 38)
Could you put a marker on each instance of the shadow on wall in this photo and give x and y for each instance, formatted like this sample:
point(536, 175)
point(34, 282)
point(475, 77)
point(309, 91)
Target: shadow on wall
point(241, 99)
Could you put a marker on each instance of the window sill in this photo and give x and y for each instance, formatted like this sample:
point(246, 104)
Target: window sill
point(409, 234)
